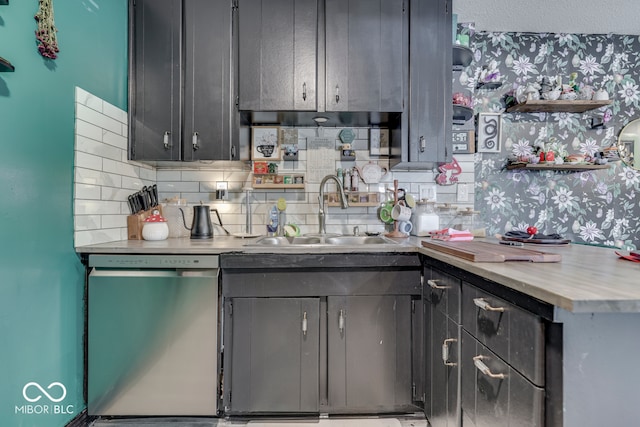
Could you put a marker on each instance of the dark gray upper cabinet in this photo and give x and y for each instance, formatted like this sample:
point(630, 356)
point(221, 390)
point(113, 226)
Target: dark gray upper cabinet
point(430, 70)
point(277, 60)
point(365, 55)
point(180, 85)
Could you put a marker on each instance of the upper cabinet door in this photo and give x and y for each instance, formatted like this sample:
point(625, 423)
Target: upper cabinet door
point(430, 71)
point(277, 58)
point(365, 55)
point(155, 79)
point(207, 99)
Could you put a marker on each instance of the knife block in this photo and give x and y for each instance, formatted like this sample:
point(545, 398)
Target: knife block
point(136, 222)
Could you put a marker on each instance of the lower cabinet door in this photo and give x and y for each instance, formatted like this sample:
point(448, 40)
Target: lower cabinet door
point(275, 352)
point(493, 393)
point(441, 400)
point(369, 353)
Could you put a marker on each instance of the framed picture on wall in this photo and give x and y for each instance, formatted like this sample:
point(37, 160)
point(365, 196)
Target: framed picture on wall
point(489, 125)
point(265, 143)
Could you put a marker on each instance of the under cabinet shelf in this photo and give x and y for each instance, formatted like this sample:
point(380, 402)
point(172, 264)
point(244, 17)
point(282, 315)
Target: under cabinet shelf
point(461, 113)
point(553, 166)
point(542, 106)
point(489, 85)
point(5, 66)
point(462, 57)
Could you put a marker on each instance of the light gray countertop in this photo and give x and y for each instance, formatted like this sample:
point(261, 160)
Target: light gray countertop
point(589, 279)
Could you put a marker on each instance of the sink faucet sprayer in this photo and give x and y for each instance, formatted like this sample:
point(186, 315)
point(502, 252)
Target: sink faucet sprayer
point(322, 216)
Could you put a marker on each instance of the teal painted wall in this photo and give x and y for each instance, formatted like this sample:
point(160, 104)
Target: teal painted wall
point(41, 277)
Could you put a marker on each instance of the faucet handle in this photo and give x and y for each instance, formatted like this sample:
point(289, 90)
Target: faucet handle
point(356, 230)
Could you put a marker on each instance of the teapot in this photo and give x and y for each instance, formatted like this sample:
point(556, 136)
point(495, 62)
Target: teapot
point(201, 227)
point(371, 173)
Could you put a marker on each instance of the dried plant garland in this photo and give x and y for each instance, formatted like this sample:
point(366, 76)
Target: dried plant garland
point(46, 32)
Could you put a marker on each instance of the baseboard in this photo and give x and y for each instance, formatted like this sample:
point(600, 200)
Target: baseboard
point(81, 420)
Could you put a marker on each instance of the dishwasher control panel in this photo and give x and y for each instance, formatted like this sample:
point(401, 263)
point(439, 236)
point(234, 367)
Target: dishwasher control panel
point(155, 261)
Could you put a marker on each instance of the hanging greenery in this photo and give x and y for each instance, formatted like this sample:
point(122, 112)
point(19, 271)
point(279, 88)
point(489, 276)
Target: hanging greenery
point(46, 32)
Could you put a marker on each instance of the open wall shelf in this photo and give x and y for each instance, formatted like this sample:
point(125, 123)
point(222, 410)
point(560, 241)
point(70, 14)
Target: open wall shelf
point(541, 106)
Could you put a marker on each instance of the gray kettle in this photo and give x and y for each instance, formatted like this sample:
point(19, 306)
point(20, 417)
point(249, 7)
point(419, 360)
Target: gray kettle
point(201, 227)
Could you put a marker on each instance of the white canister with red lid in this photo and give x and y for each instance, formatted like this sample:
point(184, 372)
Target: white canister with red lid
point(155, 227)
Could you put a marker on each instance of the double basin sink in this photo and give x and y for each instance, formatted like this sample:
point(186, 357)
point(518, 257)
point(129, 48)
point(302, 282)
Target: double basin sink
point(322, 240)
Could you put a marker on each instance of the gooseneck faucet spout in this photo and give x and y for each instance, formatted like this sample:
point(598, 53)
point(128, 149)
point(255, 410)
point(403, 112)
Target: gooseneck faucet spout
point(322, 216)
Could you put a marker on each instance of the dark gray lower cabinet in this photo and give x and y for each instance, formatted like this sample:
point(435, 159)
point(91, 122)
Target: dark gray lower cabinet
point(337, 334)
point(494, 394)
point(442, 348)
point(492, 355)
point(369, 351)
point(276, 354)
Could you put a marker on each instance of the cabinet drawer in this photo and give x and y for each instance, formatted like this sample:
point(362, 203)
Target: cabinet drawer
point(516, 335)
point(443, 291)
point(494, 394)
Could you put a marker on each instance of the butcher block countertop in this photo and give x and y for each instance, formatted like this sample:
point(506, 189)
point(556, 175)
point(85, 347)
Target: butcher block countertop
point(586, 279)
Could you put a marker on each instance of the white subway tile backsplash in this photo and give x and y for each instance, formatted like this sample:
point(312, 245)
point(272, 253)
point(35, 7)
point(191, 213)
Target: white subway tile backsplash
point(115, 140)
point(97, 148)
point(100, 195)
point(88, 129)
point(115, 113)
point(120, 168)
point(88, 161)
point(85, 98)
point(87, 191)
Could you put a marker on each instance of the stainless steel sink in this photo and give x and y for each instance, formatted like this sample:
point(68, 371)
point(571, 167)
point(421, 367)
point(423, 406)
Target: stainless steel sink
point(358, 240)
point(318, 240)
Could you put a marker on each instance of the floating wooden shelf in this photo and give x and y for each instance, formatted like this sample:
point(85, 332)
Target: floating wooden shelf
point(355, 198)
point(541, 106)
point(5, 66)
point(462, 57)
point(553, 166)
point(277, 182)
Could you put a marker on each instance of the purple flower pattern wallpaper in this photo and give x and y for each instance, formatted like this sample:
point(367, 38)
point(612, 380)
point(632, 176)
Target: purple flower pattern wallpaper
point(600, 207)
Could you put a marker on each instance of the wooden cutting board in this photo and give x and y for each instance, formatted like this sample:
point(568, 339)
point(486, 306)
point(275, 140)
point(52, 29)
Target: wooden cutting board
point(490, 252)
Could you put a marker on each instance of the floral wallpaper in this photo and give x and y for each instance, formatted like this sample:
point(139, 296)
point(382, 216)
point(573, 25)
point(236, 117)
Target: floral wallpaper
point(599, 207)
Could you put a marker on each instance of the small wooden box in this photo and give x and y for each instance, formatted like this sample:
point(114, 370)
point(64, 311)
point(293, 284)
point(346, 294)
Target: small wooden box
point(136, 222)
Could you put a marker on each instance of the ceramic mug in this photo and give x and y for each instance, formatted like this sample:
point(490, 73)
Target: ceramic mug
point(385, 213)
point(405, 227)
point(400, 212)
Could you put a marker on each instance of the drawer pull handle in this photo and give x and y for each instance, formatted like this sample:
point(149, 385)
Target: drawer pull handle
point(445, 351)
point(477, 360)
point(304, 323)
point(304, 91)
point(483, 304)
point(341, 321)
point(434, 284)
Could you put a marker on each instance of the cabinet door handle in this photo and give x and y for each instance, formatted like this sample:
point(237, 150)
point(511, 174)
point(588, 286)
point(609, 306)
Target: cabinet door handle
point(434, 284)
point(483, 304)
point(341, 321)
point(423, 144)
point(167, 140)
point(477, 360)
point(194, 140)
point(304, 91)
point(445, 351)
point(337, 94)
point(304, 323)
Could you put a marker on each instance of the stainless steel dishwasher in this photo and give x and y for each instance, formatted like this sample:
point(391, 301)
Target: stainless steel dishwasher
point(153, 335)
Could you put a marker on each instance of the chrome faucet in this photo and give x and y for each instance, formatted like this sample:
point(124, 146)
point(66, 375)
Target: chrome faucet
point(322, 216)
